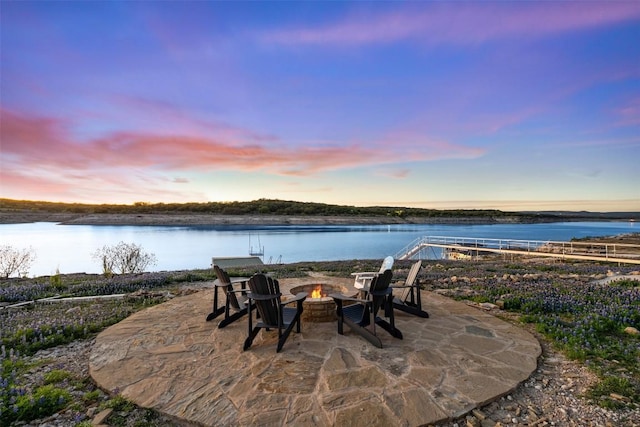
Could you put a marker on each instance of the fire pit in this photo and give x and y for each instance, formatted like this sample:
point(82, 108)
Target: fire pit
point(319, 306)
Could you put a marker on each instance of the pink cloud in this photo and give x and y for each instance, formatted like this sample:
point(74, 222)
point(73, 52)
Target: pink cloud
point(396, 173)
point(167, 118)
point(16, 184)
point(40, 142)
point(462, 23)
point(629, 114)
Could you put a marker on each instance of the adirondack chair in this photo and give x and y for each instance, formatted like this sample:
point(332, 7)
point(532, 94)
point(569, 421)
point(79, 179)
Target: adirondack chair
point(363, 279)
point(236, 298)
point(273, 313)
point(408, 298)
point(362, 315)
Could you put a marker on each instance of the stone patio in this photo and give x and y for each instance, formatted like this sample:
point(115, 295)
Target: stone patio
point(169, 358)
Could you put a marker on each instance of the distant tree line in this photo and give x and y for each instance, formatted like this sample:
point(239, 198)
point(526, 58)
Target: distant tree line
point(260, 207)
point(285, 207)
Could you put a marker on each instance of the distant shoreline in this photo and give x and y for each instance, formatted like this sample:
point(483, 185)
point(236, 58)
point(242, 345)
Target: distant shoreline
point(193, 219)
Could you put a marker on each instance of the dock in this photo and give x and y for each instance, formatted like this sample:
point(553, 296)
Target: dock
point(470, 247)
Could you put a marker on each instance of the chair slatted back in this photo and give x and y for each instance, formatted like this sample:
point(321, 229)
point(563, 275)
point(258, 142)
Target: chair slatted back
point(261, 284)
point(379, 283)
point(223, 277)
point(411, 279)
point(387, 264)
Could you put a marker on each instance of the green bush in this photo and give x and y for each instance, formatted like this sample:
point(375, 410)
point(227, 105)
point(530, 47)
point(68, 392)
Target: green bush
point(91, 396)
point(45, 401)
point(602, 392)
point(56, 376)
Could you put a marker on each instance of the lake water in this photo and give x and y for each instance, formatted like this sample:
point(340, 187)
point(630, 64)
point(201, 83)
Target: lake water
point(69, 247)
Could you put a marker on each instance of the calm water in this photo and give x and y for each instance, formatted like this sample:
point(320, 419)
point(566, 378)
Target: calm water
point(69, 247)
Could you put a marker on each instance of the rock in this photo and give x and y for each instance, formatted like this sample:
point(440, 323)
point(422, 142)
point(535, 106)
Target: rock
point(619, 397)
point(478, 414)
point(472, 422)
point(488, 306)
point(101, 417)
point(631, 330)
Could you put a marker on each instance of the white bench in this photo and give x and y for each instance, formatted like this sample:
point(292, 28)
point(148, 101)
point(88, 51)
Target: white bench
point(231, 262)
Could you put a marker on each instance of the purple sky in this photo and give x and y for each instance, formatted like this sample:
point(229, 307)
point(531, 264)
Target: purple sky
point(509, 105)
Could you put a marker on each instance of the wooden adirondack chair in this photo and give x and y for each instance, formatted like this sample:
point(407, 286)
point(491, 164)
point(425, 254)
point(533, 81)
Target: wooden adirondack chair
point(363, 278)
point(408, 299)
point(362, 316)
point(273, 314)
point(236, 298)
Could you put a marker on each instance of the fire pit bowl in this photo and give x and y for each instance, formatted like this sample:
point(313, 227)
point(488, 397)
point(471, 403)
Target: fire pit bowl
point(319, 306)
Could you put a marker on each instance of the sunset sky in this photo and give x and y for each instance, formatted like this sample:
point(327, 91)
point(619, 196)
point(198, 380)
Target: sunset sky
point(511, 105)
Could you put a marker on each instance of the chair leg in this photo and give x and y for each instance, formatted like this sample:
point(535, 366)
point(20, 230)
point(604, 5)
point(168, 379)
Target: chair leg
point(300, 309)
point(215, 312)
point(232, 318)
point(411, 310)
point(419, 304)
point(340, 316)
point(389, 326)
point(252, 334)
point(395, 332)
point(285, 334)
point(364, 332)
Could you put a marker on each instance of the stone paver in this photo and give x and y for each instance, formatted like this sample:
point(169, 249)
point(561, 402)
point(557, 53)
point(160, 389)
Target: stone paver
point(169, 358)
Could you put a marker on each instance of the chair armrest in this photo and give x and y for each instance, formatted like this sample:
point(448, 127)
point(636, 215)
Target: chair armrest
point(234, 281)
point(343, 297)
point(262, 297)
point(403, 286)
point(386, 291)
point(300, 296)
point(365, 273)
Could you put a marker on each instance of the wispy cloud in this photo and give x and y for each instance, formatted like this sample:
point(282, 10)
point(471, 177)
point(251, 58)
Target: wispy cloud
point(629, 113)
point(395, 173)
point(46, 142)
point(459, 23)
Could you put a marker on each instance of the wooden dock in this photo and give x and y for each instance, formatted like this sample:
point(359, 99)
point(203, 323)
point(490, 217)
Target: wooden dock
point(471, 246)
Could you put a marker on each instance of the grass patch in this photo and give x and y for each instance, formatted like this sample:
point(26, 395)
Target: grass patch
point(57, 376)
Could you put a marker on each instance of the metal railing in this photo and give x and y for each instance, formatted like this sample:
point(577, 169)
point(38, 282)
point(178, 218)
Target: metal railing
point(614, 252)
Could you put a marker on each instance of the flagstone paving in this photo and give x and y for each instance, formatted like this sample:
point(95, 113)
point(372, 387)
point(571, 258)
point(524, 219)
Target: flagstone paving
point(169, 358)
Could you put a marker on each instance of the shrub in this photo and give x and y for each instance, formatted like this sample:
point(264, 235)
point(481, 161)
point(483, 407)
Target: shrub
point(55, 281)
point(45, 401)
point(13, 260)
point(124, 258)
point(56, 376)
point(91, 396)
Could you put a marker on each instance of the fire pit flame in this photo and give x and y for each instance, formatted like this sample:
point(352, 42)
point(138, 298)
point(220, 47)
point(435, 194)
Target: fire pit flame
point(316, 292)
